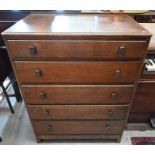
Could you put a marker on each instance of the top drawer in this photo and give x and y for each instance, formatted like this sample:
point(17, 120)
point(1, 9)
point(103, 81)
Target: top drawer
point(76, 49)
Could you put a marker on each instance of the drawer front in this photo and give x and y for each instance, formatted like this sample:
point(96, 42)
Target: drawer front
point(79, 137)
point(77, 94)
point(78, 72)
point(78, 127)
point(68, 112)
point(76, 49)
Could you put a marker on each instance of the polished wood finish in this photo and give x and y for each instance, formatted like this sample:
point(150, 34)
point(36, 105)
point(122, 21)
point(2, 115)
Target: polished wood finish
point(70, 49)
point(90, 138)
point(77, 127)
point(78, 73)
point(79, 94)
point(70, 112)
point(104, 25)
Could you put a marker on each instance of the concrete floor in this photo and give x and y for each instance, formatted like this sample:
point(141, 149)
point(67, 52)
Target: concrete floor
point(18, 131)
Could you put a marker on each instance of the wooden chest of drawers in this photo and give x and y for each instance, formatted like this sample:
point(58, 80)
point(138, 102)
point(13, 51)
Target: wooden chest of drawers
point(77, 73)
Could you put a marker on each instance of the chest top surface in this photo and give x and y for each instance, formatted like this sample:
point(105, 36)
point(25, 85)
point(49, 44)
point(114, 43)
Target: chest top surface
point(107, 24)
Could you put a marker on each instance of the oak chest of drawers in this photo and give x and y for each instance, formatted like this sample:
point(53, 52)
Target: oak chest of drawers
point(77, 73)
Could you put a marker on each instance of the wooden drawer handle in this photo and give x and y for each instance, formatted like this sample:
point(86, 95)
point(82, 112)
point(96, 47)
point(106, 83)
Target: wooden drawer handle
point(42, 95)
point(110, 113)
point(38, 73)
point(114, 96)
point(107, 127)
point(46, 113)
point(117, 74)
point(33, 50)
point(121, 50)
point(49, 128)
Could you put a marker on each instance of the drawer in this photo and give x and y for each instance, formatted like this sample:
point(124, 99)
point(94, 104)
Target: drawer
point(78, 127)
point(79, 137)
point(68, 112)
point(77, 72)
point(76, 49)
point(77, 94)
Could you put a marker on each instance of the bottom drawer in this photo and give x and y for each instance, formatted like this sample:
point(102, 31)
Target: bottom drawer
point(78, 127)
point(78, 137)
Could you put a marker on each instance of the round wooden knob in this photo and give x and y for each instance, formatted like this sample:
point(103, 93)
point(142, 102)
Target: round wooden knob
point(114, 95)
point(110, 113)
point(117, 74)
point(49, 129)
point(121, 50)
point(46, 113)
point(33, 50)
point(38, 73)
point(107, 127)
point(42, 95)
